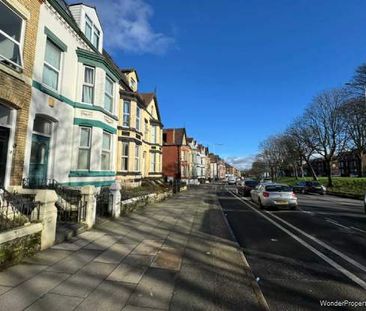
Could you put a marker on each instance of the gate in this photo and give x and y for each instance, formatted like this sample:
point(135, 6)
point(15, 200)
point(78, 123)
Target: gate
point(103, 198)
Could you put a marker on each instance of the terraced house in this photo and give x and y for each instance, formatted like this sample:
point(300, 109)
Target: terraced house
point(18, 31)
point(73, 115)
point(139, 153)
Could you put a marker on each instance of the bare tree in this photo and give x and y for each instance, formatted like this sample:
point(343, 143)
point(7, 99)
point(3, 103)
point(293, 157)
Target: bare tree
point(300, 134)
point(273, 154)
point(354, 115)
point(358, 83)
point(327, 127)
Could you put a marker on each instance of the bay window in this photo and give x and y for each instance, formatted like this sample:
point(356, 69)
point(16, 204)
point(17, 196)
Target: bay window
point(152, 162)
point(11, 33)
point(126, 113)
point(52, 65)
point(153, 134)
point(137, 158)
point(138, 118)
point(84, 148)
point(125, 147)
point(108, 95)
point(106, 151)
point(88, 85)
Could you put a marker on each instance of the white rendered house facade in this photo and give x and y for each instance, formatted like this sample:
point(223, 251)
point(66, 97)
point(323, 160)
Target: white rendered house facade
point(73, 114)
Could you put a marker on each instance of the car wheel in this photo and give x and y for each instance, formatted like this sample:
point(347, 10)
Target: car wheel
point(303, 191)
point(294, 207)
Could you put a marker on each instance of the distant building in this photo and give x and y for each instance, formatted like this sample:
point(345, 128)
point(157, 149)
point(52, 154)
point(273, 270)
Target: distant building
point(176, 155)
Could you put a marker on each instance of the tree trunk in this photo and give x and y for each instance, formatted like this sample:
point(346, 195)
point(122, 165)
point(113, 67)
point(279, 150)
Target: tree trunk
point(313, 174)
point(295, 171)
point(328, 167)
point(360, 164)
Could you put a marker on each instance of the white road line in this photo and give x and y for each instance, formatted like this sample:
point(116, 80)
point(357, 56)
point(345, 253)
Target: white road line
point(337, 224)
point(338, 253)
point(358, 229)
point(330, 261)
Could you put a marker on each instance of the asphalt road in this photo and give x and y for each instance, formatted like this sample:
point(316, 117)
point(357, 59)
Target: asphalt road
point(300, 258)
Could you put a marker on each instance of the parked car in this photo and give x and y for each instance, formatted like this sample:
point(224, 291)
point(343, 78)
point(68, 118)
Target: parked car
point(247, 186)
point(274, 195)
point(364, 203)
point(309, 187)
point(231, 180)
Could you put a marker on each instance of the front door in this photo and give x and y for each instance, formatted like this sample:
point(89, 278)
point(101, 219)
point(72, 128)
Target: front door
point(39, 160)
point(4, 139)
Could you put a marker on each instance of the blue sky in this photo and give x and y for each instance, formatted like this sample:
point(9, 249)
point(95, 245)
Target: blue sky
point(235, 72)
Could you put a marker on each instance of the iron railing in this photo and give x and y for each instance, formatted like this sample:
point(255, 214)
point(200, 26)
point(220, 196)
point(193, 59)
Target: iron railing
point(17, 210)
point(39, 183)
point(71, 204)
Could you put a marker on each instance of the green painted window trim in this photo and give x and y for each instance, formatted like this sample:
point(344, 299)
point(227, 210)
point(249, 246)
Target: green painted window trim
point(91, 173)
point(50, 35)
point(96, 60)
point(95, 123)
point(89, 183)
point(68, 101)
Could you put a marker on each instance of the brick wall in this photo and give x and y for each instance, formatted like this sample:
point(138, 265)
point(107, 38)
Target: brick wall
point(16, 88)
point(170, 161)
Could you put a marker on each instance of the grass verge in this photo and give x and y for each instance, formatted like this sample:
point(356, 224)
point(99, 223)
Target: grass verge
point(352, 187)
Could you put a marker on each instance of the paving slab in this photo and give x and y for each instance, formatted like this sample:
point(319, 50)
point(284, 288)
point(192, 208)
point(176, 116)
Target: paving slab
point(168, 258)
point(83, 282)
point(102, 243)
point(111, 296)
point(4, 289)
point(28, 292)
point(19, 273)
point(148, 247)
point(195, 289)
point(154, 290)
point(75, 261)
point(48, 257)
point(134, 308)
point(116, 253)
point(131, 269)
point(55, 303)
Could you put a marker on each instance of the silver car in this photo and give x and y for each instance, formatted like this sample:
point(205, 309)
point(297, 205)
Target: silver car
point(274, 195)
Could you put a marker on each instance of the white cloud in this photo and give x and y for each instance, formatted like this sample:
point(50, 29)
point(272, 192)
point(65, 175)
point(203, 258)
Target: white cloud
point(127, 27)
point(241, 163)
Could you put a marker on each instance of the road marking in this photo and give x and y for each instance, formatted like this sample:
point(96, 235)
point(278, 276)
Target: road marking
point(358, 229)
point(338, 253)
point(337, 224)
point(330, 261)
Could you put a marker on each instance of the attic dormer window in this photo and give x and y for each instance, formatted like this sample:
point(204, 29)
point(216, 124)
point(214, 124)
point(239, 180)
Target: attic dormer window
point(91, 32)
point(132, 83)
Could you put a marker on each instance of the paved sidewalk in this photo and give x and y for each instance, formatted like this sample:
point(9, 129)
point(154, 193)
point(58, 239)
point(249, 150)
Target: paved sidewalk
point(173, 255)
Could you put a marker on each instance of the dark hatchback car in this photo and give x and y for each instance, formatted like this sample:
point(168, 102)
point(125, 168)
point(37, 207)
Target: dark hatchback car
point(309, 187)
point(246, 187)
